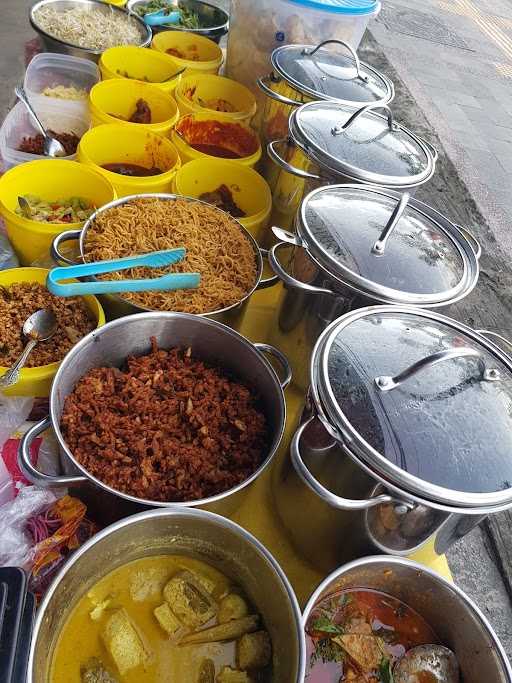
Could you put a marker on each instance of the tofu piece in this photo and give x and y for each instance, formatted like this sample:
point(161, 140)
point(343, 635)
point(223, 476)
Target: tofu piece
point(123, 642)
point(229, 675)
point(189, 601)
point(366, 651)
point(169, 622)
point(254, 650)
point(233, 606)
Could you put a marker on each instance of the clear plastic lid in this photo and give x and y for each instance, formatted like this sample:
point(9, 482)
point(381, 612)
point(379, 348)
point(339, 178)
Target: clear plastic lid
point(426, 400)
point(384, 244)
point(328, 72)
point(362, 144)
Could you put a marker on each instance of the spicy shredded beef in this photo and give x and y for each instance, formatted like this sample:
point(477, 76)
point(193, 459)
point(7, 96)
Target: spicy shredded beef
point(167, 427)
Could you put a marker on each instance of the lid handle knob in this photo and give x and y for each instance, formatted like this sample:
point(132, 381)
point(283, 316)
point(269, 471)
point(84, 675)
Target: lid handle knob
point(386, 383)
point(338, 130)
point(380, 245)
point(353, 54)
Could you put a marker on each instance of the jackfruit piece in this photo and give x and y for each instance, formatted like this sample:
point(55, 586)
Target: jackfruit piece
point(231, 630)
point(123, 642)
point(366, 651)
point(99, 609)
point(229, 675)
point(233, 606)
point(189, 601)
point(254, 650)
point(169, 622)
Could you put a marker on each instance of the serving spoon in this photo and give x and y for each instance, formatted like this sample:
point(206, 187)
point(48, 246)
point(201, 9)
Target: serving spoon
point(427, 664)
point(40, 326)
point(51, 146)
point(25, 207)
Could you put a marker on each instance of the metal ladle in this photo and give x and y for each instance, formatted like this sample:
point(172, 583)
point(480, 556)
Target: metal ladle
point(38, 327)
point(51, 146)
point(427, 664)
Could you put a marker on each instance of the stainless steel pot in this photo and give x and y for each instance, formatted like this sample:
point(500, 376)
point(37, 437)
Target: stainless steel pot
point(207, 537)
point(330, 142)
point(405, 442)
point(455, 618)
point(214, 21)
point(116, 306)
point(53, 44)
point(356, 246)
point(109, 346)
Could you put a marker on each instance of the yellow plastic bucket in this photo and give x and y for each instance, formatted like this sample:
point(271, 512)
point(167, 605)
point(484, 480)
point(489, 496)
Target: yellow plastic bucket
point(37, 381)
point(48, 179)
point(117, 97)
point(119, 3)
point(199, 93)
point(140, 64)
point(231, 137)
point(196, 53)
point(250, 191)
point(116, 143)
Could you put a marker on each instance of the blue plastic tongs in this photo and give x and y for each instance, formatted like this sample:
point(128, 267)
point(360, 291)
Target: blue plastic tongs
point(156, 259)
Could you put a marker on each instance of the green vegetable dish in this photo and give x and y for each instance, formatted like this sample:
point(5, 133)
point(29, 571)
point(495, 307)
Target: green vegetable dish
point(189, 19)
point(70, 210)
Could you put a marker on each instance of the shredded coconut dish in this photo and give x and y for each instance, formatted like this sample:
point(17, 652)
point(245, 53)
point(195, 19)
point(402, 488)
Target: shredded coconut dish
point(90, 28)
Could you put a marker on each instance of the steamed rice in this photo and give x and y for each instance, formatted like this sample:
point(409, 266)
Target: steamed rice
point(90, 28)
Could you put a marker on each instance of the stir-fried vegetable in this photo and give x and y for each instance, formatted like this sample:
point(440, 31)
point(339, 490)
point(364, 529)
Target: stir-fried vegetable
point(71, 210)
point(188, 19)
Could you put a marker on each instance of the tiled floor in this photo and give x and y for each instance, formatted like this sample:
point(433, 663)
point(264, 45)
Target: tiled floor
point(456, 59)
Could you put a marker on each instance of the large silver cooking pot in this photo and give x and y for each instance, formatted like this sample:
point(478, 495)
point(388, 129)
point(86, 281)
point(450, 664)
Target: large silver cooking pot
point(116, 306)
point(205, 536)
point(110, 346)
point(458, 622)
point(405, 442)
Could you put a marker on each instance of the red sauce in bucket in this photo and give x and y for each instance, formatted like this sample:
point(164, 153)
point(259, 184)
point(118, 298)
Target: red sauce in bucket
point(218, 138)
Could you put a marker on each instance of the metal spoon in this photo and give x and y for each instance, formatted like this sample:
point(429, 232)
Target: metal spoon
point(51, 146)
point(38, 327)
point(25, 207)
point(427, 664)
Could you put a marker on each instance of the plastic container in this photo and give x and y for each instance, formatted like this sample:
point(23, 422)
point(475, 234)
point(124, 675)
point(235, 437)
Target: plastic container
point(250, 191)
point(37, 381)
point(119, 96)
point(200, 55)
point(49, 179)
point(257, 28)
point(18, 124)
point(195, 93)
point(140, 64)
point(204, 129)
point(118, 143)
point(49, 70)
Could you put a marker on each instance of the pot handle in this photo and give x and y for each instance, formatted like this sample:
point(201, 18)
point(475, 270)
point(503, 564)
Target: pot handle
point(338, 130)
point(32, 473)
point(278, 159)
point(432, 149)
point(477, 247)
point(281, 359)
point(66, 236)
point(353, 54)
point(287, 278)
point(495, 335)
point(332, 499)
point(268, 281)
point(262, 85)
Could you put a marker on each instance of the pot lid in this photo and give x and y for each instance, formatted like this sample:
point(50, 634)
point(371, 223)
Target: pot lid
point(384, 244)
point(422, 400)
point(325, 74)
point(362, 144)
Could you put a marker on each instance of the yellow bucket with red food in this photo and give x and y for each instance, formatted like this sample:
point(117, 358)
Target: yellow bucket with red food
point(133, 103)
point(211, 179)
point(215, 95)
point(212, 136)
point(140, 64)
point(37, 381)
point(197, 54)
point(50, 180)
point(134, 160)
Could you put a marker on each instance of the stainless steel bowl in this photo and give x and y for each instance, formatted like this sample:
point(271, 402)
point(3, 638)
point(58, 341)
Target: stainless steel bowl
point(457, 621)
point(53, 44)
point(205, 536)
point(214, 20)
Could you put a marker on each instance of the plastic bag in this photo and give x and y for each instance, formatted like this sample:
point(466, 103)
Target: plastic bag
point(8, 258)
point(13, 412)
